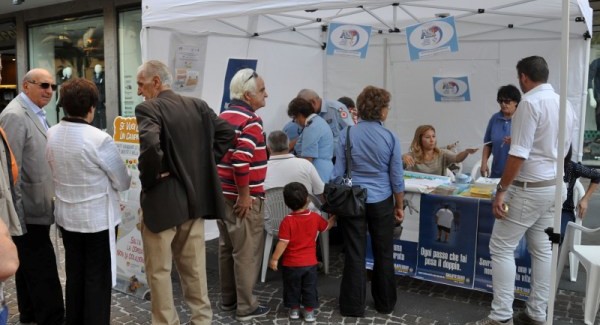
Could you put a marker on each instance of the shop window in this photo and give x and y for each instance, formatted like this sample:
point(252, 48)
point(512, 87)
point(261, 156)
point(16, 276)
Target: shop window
point(68, 48)
point(130, 58)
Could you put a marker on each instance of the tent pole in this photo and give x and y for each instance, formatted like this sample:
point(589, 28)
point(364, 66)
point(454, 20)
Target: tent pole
point(385, 63)
point(560, 163)
point(584, 103)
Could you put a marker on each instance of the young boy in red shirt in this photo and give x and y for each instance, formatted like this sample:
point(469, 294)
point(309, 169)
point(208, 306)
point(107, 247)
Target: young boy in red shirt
point(297, 243)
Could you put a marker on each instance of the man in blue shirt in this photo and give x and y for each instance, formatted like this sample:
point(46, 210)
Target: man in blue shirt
point(334, 113)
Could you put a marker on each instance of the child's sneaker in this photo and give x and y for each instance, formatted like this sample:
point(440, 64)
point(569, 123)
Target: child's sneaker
point(309, 316)
point(294, 313)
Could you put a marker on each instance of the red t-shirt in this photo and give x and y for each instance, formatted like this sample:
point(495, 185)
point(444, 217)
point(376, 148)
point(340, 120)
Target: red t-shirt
point(300, 229)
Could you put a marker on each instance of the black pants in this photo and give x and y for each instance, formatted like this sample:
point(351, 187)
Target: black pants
point(39, 294)
point(87, 261)
point(379, 221)
point(300, 286)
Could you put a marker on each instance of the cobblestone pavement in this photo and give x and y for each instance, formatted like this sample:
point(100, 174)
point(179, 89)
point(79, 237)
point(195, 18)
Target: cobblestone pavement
point(419, 302)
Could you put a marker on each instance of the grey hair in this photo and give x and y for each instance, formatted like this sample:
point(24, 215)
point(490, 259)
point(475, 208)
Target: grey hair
point(156, 68)
point(308, 94)
point(278, 142)
point(243, 81)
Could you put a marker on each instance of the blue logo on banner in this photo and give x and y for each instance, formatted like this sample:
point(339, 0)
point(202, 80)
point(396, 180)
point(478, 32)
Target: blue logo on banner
point(432, 37)
point(349, 40)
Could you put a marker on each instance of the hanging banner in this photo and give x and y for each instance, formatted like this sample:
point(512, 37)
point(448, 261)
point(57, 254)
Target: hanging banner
point(233, 66)
point(432, 37)
point(451, 89)
point(131, 274)
point(348, 40)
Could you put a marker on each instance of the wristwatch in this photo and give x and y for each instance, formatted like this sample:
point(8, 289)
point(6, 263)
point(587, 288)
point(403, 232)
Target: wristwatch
point(500, 188)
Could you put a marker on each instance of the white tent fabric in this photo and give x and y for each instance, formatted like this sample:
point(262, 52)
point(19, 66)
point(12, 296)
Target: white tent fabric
point(287, 38)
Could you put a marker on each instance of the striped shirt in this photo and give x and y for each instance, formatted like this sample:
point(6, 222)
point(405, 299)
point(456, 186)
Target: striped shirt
point(246, 163)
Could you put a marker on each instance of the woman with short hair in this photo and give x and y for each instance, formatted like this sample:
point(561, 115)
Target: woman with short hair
point(88, 173)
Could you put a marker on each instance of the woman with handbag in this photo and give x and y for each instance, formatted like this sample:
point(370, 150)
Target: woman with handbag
point(375, 165)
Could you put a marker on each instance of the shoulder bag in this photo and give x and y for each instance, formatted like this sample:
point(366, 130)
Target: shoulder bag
point(341, 197)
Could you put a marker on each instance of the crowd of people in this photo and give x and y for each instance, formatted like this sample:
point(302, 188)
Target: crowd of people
point(70, 174)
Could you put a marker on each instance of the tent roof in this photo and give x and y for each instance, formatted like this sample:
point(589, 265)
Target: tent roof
point(244, 18)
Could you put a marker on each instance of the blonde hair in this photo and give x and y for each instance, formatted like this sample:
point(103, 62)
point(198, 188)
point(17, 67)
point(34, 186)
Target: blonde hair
point(416, 146)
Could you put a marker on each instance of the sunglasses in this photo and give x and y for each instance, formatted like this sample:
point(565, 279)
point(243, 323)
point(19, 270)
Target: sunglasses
point(43, 85)
point(253, 75)
point(504, 101)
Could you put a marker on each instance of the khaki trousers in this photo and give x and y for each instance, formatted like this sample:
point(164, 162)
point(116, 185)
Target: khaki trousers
point(241, 248)
point(185, 245)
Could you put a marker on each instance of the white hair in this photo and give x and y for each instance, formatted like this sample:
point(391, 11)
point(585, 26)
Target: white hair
point(156, 68)
point(243, 81)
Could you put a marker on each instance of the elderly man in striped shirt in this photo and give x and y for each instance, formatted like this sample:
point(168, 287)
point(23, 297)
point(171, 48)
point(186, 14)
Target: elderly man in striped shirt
point(242, 172)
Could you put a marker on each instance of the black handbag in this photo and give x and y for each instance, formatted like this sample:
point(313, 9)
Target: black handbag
point(341, 197)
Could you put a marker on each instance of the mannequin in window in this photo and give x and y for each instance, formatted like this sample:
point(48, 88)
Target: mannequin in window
point(65, 75)
point(594, 89)
point(100, 115)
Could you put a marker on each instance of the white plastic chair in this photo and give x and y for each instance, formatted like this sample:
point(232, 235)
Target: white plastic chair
point(275, 211)
point(589, 257)
point(578, 193)
point(476, 170)
point(324, 236)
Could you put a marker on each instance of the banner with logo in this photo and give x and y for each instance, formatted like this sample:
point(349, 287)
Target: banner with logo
point(451, 89)
point(348, 40)
point(131, 274)
point(432, 37)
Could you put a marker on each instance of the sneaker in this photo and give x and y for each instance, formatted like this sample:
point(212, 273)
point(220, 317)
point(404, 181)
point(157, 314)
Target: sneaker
point(309, 316)
point(523, 319)
point(489, 321)
point(224, 307)
point(258, 312)
point(294, 313)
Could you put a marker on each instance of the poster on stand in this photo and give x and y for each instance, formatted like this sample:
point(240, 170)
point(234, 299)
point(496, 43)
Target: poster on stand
point(446, 240)
point(451, 89)
point(131, 275)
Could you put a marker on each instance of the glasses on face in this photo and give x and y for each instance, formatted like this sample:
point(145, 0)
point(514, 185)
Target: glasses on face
point(504, 101)
point(253, 75)
point(43, 85)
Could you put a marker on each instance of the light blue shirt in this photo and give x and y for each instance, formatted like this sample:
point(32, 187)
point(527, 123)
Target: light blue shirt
point(316, 142)
point(376, 160)
point(333, 112)
point(39, 112)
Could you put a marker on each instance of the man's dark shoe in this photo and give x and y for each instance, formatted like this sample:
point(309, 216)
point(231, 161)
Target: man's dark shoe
point(258, 312)
point(523, 319)
point(227, 307)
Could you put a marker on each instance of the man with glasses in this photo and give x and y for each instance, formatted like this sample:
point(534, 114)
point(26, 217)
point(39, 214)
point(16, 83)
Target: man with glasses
point(39, 294)
point(242, 172)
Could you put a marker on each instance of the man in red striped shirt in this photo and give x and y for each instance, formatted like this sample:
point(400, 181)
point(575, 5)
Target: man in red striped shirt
point(242, 172)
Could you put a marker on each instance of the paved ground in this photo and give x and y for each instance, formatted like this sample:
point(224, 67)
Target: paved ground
point(419, 302)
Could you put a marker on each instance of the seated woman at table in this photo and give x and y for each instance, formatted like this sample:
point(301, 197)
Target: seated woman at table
point(315, 144)
point(497, 134)
point(426, 157)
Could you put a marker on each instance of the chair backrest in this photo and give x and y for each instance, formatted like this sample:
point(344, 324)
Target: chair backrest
point(578, 193)
point(275, 208)
point(476, 170)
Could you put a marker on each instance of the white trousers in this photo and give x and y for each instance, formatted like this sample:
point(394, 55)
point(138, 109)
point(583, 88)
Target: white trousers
point(530, 212)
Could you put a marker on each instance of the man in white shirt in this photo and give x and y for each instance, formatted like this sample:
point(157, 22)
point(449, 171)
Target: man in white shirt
point(283, 168)
point(529, 178)
point(443, 219)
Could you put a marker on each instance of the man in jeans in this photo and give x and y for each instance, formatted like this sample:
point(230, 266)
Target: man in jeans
point(242, 172)
point(524, 203)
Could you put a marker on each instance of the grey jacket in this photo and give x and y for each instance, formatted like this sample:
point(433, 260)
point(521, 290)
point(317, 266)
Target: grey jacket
point(8, 214)
point(27, 138)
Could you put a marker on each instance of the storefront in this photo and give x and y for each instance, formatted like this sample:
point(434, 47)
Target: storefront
point(95, 40)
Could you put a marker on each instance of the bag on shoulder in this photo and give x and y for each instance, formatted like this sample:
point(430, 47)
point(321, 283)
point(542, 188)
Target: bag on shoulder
point(341, 197)
point(344, 200)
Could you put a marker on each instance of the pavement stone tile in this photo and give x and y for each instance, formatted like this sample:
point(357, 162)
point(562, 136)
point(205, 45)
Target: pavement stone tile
point(129, 310)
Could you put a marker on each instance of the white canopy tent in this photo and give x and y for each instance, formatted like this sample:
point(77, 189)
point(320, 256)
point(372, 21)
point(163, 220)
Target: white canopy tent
point(287, 38)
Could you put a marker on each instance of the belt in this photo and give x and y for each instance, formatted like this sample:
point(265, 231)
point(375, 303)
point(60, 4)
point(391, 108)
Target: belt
point(525, 185)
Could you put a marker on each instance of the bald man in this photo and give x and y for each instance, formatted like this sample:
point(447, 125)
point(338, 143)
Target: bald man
point(39, 293)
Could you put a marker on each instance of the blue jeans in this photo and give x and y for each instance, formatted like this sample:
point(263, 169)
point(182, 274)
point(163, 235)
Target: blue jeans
point(300, 286)
point(531, 211)
point(3, 314)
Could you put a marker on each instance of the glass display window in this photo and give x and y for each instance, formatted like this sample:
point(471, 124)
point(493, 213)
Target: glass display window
point(68, 48)
point(130, 58)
